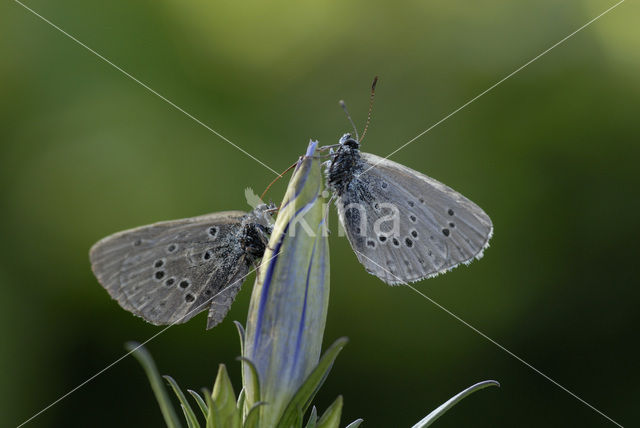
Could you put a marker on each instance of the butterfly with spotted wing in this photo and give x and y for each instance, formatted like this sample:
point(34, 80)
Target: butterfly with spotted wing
point(170, 271)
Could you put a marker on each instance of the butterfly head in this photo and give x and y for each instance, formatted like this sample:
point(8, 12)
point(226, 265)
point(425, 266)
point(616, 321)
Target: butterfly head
point(255, 237)
point(349, 141)
point(256, 230)
point(262, 214)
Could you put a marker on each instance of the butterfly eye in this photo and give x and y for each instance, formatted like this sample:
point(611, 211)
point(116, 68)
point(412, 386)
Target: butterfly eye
point(169, 282)
point(408, 242)
point(414, 233)
point(371, 243)
point(445, 232)
point(189, 298)
point(350, 142)
point(158, 263)
point(159, 274)
point(184, 283)
point(450, 212)
point(213, 231)
point(172, 247)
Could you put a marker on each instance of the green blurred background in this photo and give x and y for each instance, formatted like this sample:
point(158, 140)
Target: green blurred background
point(551, 155)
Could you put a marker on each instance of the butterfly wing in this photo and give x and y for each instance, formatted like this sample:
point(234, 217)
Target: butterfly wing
point(437, 227)
point(170, 271)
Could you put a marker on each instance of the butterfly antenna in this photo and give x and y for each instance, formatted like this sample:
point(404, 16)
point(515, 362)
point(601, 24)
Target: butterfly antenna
point(278, 178)
point(373, 93)
point(344, 107)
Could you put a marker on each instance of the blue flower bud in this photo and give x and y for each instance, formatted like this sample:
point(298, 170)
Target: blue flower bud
point(289, 303)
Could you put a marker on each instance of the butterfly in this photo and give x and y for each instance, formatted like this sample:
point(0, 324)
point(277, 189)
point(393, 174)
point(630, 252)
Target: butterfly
point(402, 225)
point(170, 271)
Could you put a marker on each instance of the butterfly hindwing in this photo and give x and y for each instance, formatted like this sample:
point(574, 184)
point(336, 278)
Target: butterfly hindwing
point(437, 227)
point(170, 271)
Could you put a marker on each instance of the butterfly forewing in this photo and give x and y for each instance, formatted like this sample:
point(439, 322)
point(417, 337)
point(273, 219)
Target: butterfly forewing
point(170, 271)
point(436, 229)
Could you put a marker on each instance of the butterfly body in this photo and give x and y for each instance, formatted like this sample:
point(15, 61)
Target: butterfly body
point(344, 166)
point(170, 271)
point(403, 225)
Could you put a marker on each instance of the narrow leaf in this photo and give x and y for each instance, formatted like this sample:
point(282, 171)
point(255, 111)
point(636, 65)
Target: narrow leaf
point(355, 424)
point(240, 404)
point(440, 410)
point(313, 418)
point(203, 406)
point(255, 381)
point(307, 391)
point(242, 396)
point(299, 418)
point(225, 400)
point(191, 423)
point(146, 361)
point(331, 417)
point(253, 416)
point(212, 421)
point(186, 407)
point(241, 334)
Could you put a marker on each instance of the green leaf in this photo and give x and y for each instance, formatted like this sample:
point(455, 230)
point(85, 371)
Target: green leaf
point(241, 334)
point(190, 422)
point(189, 415)
point(146, 361)
point(203, 406)
point(225, 400)
point(440, 410)
point(255, 379)
point(253, 416)
point(212, 422)
point(240, 404)
point(313, 418)
point(307, 391)
point(355, 424)
point(331, 417)
point(299, 418)
point(242, 395)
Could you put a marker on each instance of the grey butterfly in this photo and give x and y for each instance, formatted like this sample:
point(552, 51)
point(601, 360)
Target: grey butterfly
point(403, 225)
point(170, 271)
